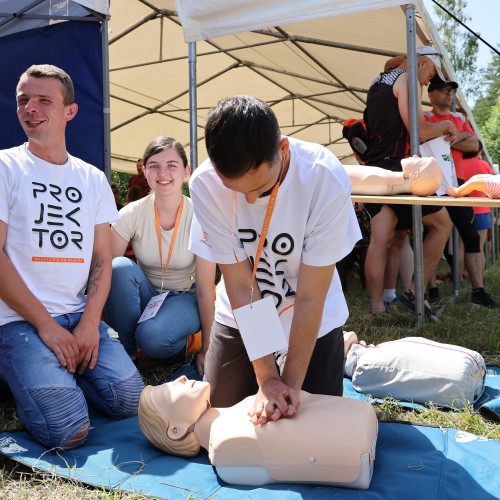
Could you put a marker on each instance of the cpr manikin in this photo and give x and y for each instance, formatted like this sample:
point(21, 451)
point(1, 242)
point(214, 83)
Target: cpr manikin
point(331, 440)
point(420, 176)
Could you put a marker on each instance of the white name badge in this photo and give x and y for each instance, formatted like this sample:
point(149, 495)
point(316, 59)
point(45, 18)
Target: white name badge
point(153, 307)
point(260, 328)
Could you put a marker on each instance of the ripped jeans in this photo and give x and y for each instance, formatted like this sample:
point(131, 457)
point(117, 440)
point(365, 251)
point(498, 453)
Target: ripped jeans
point(51, 402)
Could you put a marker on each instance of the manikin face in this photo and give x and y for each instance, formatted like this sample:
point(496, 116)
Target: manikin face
point(257, 181)
point(41, 110)
point(165, 172)
point(182, 401)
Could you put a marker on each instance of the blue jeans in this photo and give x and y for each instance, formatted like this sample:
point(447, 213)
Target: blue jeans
point(160, 337)
point(51, 401)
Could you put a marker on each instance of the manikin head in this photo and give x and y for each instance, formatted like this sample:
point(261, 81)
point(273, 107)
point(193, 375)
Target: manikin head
point(168, 411)
point(424, 173)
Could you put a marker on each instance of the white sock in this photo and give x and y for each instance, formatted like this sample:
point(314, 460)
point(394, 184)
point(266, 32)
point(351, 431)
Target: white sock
point(389, 294)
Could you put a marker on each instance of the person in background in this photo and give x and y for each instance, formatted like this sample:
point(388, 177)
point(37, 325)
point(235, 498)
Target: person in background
point(158, 227)
point(388, 123)
point(55, 255)
point(139, 180)
point(116, 194)
point(475, 165)
point(441, 95)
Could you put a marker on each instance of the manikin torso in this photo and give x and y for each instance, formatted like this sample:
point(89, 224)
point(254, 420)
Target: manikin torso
point(331, 441)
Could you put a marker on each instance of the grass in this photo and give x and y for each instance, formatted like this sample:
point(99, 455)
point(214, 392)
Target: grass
point(461, 323)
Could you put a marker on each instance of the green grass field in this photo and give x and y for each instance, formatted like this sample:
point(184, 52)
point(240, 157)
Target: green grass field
point(461, 323)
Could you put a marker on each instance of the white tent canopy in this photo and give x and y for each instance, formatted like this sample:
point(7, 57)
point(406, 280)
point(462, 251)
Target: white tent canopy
point(313, 62)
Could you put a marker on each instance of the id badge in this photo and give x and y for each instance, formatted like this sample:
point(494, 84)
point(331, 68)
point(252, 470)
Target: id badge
point(153, 307)
point(260, 328)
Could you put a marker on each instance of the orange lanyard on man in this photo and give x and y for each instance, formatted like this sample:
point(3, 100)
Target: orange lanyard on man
point(265, 227)
point(172, 241)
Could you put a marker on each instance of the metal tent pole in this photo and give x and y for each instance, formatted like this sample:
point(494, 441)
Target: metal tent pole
point(413, 88)
point(193, 123)
point(106, 99)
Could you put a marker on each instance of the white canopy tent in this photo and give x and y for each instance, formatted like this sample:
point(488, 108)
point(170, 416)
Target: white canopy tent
point(313, 61)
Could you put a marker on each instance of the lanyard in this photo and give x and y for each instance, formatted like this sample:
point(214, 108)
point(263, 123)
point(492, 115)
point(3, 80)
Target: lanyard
point(172, 241)
point(265, 227)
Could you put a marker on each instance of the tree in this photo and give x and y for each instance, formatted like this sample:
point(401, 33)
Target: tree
point(461, 45)
point(490, 131)
point(487, 109)
point(491, 89)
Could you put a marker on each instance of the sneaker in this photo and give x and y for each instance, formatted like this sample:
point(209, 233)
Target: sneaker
point(481, 298)
point(394, 302)
point(433, 296)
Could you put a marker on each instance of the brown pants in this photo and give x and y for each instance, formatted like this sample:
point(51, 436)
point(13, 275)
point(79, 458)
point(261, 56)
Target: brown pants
point(232, 377)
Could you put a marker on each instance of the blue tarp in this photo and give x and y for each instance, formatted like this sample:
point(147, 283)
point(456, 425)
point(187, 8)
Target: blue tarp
point(412, 462)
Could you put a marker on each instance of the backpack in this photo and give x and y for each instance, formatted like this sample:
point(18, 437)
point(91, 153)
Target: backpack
point(357, 136)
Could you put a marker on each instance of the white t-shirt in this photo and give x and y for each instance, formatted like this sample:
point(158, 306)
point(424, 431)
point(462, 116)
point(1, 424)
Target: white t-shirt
point(313, 222)
point(137, 224)
point(51, 211)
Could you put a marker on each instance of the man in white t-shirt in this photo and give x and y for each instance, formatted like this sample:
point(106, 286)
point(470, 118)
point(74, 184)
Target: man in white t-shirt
point(55, 256)
point(288, 200)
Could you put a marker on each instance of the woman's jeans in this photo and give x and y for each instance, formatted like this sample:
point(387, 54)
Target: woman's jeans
point(162, 336)
point(50, 400)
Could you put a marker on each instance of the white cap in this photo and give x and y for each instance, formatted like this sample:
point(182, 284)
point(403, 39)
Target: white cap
point(434, 56)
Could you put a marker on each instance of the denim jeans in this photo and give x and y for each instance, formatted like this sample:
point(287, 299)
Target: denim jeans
point(162, 336)
point(51, 402)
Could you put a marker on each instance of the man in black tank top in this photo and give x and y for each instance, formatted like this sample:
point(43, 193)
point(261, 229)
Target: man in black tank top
point(387, 121)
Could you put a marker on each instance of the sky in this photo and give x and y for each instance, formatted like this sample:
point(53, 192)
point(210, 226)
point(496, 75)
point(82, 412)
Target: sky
point(485, 19)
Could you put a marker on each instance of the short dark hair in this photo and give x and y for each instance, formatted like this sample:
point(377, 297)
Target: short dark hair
point(241, 133)
point(159, 144)
point(50, 71)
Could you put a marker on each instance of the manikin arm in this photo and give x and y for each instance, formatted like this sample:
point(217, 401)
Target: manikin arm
point(487, 183)
point(419, 176)
point(376, 181)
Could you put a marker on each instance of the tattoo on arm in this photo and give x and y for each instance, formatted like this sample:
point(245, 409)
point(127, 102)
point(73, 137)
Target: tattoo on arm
point(95, 276)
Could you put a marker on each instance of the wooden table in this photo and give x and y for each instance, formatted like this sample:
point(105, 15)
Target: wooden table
point(427, 200)
point(417, 234)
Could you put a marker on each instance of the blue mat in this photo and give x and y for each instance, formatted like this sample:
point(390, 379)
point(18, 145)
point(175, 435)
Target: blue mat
point(412, 462)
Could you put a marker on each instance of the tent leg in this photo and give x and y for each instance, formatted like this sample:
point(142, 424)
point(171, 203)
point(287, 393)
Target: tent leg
point(193, 122)
point(413, 88)
point(106, 99)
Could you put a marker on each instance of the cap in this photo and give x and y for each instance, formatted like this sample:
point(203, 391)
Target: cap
point(434, 56)
point(437, 83)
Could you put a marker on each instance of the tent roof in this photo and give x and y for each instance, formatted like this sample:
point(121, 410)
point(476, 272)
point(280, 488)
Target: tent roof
point(315, 73)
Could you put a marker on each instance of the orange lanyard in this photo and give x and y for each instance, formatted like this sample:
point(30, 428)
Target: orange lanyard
point(172, 241)
point(265, 227)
